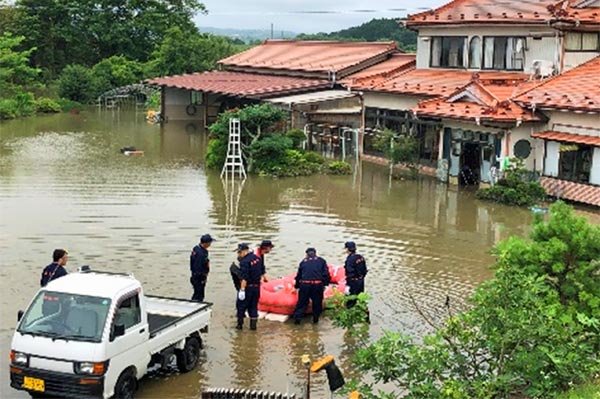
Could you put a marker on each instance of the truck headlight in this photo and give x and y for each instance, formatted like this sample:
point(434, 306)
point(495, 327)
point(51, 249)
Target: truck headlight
point(90, 368)
point(19, 358)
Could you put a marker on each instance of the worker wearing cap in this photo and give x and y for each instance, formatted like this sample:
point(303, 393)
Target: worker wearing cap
point(311, 279)
point(252, 272)
point(200, 267)
point(56, 269)
point(356, 270)
point(264, 248)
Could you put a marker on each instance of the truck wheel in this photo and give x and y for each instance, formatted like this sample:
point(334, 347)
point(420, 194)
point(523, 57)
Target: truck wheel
point(187, 359)
point(125, 386)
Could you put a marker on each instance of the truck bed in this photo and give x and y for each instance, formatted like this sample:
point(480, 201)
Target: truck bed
point(157, 322)
point(167, 314)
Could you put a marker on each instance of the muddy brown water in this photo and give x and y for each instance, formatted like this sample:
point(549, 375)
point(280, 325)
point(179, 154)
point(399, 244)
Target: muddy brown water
point(64, 183)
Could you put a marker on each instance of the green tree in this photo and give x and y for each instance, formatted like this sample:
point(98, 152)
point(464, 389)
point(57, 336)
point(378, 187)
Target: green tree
point(76, 83)
point(533, 330)
point(187, 52)
point(87, 31)
point(115, 71)
point(15, 72)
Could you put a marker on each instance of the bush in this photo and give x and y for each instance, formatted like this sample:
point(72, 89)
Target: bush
point(269, 153)
point(47, 105)
point(25, 103)
point(68, 105)
point(339, 168)
point(115, 71)
point(75, 83)
point(216, 152)
point(8, 109)
point(297, 136)
point(514, 188)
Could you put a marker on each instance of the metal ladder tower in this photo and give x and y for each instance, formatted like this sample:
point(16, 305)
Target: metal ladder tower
point(234, 162)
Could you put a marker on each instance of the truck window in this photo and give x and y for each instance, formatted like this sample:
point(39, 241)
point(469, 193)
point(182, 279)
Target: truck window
point(128, 312)
point(67, 316)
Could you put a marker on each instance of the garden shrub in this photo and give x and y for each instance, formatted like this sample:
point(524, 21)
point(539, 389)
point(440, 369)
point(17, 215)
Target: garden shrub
point(47, 105)
point(339, 168)
point(515, 188)
point(297, 136)
point(75, 83)
point(67, 105)
point(25, 103)
point(216, 152)
point(8, 109)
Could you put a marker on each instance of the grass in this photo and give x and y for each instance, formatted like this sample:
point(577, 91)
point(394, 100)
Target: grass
point(585, 391)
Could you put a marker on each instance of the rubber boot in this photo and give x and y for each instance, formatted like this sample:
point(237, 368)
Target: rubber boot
point(296, 321)
point(315, 319)
point(240, 324)
point(253, 324)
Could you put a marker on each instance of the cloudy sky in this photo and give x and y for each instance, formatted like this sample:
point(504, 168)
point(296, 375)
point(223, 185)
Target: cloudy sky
point(308, 16)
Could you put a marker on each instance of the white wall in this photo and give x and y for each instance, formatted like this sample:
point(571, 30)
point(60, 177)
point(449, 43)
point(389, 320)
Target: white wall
point(542, 49)
point(391, 101)
point(571, 122)
point(595, 175)
point(572, 59)
point(552, 157)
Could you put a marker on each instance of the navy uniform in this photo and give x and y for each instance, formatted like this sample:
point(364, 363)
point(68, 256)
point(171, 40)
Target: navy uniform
point(55, 269)
point(200, 267)
point(356, 270)
point(311, 279)
point(252, 272)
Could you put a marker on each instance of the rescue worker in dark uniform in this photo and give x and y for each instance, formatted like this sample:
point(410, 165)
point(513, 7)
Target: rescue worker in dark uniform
point(56, 269)
point(311, 279)
point(200, 267)
point(356, 270)
point(252, 272)
point(264, 248)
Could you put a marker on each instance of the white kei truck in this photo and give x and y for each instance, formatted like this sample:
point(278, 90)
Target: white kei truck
point(95, 334)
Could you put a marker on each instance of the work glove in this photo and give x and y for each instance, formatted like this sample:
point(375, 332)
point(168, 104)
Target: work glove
point(241, 295)
point(347, 290)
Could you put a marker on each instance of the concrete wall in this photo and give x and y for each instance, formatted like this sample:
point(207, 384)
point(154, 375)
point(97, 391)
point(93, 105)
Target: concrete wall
point(572, 59)
point(391, 101)
point(574, 122)
point(541, 43)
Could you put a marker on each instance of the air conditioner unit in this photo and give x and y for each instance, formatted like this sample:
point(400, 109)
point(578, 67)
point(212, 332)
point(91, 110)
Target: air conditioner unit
point(541, 69)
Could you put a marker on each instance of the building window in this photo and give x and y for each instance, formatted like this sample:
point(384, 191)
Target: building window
point(504, 53)
point(522, 149)
point(448, 52)
point(575, 162)
point(582, 41)
point(196, 97)
point(475, 53)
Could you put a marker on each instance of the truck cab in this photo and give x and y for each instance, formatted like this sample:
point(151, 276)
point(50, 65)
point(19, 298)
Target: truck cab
point(92, 334)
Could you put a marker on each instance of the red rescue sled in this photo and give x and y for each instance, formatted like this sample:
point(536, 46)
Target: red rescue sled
point(279, 296)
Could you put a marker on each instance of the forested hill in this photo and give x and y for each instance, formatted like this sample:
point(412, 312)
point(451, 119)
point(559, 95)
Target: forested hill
point(377, 29)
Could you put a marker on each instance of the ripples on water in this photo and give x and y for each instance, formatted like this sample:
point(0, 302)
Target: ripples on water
point(63, 182)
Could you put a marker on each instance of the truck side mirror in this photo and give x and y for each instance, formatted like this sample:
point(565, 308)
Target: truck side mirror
point(20, 315)
point(118, 330)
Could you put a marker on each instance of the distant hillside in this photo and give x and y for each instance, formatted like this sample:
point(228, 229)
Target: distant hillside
point(377, 29)
point(248, 35)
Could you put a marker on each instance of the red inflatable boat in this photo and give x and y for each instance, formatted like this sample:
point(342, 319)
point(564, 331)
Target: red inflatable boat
point(279, 296)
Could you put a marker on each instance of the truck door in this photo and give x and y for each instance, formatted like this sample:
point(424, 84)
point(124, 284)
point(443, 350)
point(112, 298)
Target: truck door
point(128, 349)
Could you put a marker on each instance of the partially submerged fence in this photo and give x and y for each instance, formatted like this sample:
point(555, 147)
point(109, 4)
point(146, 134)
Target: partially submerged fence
point(232, 393)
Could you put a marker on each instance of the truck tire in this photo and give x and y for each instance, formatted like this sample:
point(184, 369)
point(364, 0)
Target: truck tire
point(187, 359)
point(126, 385)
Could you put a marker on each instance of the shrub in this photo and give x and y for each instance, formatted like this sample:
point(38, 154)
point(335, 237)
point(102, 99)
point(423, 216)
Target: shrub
point(68, 105)
point(269, 153)
point(47, 105)
point(314, 157)
point(75, 83)
point(216, 152)
point(339, 168)
point(115, 71)
point(25, 103)
point(515, 188)
point(8, 109)
point(297, 136)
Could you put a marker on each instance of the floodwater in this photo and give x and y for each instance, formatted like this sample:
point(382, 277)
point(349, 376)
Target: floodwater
point(64, 183)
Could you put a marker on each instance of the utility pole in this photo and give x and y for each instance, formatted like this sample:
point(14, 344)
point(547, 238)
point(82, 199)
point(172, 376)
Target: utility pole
point(271, 30)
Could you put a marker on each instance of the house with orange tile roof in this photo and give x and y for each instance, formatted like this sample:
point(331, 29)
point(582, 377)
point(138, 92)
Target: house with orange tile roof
point(474, 58)
point(274, 69)
point(570, 140)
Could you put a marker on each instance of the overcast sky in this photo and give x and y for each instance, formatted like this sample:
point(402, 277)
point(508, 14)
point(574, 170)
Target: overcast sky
point(305, 16)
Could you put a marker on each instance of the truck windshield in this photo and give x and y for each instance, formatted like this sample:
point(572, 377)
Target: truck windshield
point(66, 316)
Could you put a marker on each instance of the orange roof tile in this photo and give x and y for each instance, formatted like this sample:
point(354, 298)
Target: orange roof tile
point(240, 84)
point(584, 193)
point(576, 90)
point(476, 101)
point(568, 137)
point(580, 11)
point(485, 11)
point(322, 57)
point(432, 82)
point(398, 62)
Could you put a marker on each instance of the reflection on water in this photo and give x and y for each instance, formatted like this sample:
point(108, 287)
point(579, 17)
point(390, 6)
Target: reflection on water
point(63, 182)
